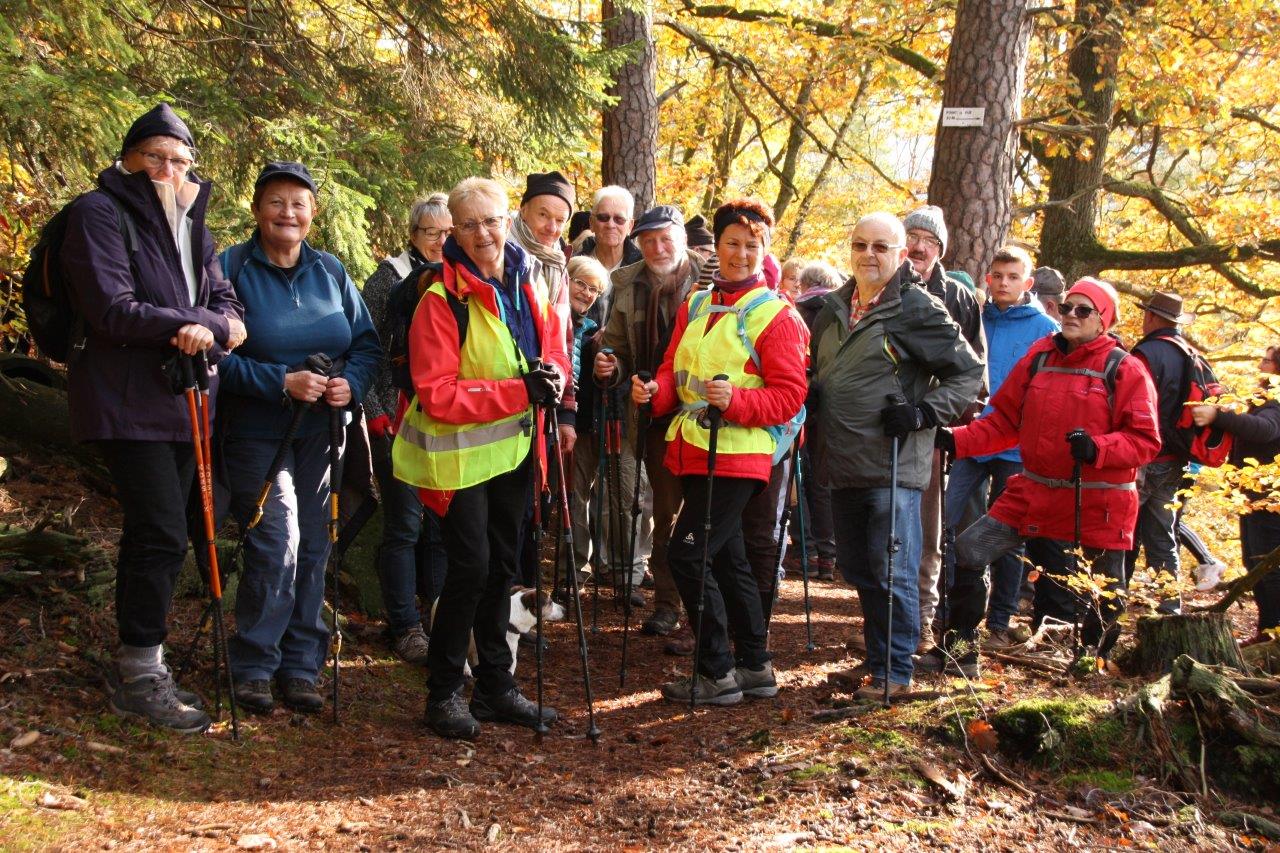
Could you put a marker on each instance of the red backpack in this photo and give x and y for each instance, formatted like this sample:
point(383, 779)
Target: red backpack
point(1207, 445)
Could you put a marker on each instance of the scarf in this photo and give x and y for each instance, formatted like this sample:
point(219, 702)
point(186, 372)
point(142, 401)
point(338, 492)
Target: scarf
point(737, 286)
point(550, 256)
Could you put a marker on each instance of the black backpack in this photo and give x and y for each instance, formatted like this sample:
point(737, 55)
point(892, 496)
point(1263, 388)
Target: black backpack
point(52, 317)
point(402, 302)
point(1206, 445)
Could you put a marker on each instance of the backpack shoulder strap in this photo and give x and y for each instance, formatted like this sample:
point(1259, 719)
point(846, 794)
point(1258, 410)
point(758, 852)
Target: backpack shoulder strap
point(124, 220)
point(1038, 362)
point(461, 315)
point(1109, 369)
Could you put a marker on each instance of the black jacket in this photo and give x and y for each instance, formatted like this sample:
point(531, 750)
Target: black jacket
point(964, 309)
point(1167, 365)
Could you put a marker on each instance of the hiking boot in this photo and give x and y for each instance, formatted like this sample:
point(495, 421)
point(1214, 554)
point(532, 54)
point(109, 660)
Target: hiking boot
point(681, 645)
point(661, 623)
point(411, 646)
point(1209, 575)
point(510, 707)
point(856, 643)
point(637, 598)
point(848, 680)
point(647, 581)
point(938, 661)
point(1007, 638)
point(450, 718)
point(711, 691)
point(255, 696)
point(826, 569)
point(152, 698)
point(756, 683)
point(875, 690)
point(300, 695)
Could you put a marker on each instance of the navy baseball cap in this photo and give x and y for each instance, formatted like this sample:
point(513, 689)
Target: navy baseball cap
point(287, 170)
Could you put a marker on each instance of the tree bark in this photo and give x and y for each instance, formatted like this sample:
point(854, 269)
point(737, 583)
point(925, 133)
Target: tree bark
point(1076, 165)
point(973, 167)
point(795, 142)
point(630, 129)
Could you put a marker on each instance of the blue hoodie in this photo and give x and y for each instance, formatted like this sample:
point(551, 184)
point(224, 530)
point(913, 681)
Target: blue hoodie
point(1010, 333)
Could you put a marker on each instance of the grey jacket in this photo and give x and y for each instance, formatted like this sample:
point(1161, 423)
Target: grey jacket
point(855, 373)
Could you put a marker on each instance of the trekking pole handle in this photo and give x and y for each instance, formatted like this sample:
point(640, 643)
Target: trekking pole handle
point(188, 372)
point(713, 414)
point(200, 363)
point(896, 399)
point(645, 378)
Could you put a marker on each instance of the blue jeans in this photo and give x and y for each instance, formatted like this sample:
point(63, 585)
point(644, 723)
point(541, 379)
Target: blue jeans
point(1007, 571)
point(280, 629)
point(404, 520)
point(861, 520)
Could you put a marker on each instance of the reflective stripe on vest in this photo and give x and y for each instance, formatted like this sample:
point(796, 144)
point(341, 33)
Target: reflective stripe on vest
point(705, 352)
point(432, 454)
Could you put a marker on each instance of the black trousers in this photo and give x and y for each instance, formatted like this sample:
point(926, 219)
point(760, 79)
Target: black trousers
point(1099, 623)
point(732, 600)
point(482, 537)
point(153, 482)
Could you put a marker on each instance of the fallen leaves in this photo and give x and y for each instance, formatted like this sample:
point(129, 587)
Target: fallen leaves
point(24, 740)
point(256, 841)
point(982, 736)
point(934, 774)
point(67, 802)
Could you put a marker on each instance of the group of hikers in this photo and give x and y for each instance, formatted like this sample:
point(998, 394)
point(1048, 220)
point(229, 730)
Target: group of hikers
point(674, 361)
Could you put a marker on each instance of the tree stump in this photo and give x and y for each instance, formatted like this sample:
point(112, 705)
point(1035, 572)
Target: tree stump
point(1204, 637)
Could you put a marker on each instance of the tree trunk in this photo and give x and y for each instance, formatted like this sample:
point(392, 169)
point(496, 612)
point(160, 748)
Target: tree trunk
point(630, 133)
point(1076, 164)
point(1204, 637)
point(795, 142)
point(973, 167)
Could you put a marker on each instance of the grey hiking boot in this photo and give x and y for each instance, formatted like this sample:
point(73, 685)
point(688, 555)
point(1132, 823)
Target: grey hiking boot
point(711, 691)
point(411, 646)
point(449, 717)
point(152, 698)
point(757, 683)
point(509, 707)
point(300, 695)
point(255, 696)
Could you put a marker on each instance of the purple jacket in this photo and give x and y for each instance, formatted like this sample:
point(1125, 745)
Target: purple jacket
point(133, 306)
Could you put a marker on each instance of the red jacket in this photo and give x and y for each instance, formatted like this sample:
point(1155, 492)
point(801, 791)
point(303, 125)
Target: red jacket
point(1036, 413)
point(783, 348)
point(434, 348)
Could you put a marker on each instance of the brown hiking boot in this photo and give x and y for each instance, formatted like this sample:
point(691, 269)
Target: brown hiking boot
point(874, 691)
point(848, 680)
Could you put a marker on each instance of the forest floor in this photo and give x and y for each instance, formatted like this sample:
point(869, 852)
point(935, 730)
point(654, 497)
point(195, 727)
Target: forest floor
point(760, 775)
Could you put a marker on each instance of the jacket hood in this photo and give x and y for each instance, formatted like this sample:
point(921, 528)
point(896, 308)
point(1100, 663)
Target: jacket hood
point(1028, 307)
point(138, 194)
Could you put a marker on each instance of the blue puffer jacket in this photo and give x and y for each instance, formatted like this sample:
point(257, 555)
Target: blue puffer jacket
point(1010, 333)
point(290, 316)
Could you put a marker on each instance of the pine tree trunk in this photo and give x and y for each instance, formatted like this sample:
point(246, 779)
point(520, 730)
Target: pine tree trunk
point(1204, 637)
point(972, 178)
point(630, 132)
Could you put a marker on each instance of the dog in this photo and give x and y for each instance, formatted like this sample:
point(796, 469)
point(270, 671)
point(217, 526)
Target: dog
point(522, 619)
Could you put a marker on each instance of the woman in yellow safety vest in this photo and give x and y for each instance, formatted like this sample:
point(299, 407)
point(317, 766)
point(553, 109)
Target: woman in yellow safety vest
point(487, 355)
point(741, 329)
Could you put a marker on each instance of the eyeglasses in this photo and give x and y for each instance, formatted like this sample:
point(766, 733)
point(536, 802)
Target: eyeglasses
point(1084, 312)
point(432, 234)
point(616, 218)
point(489, 223)
point(157, 161)
point(915, 239)
point(878, 247)
point(584, 285)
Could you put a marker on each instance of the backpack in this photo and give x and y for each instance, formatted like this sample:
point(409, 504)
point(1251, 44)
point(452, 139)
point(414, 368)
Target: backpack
point(52, 319)
point(784, 435)
point(1206, 445)
point(402, 302)
point(1107, 374)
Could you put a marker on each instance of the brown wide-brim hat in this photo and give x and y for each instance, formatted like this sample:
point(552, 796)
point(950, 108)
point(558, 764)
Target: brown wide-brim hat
point(1168, 306)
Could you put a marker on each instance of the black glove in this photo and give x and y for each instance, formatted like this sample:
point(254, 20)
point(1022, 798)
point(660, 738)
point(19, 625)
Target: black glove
point(542, 383)
point(943, 440)
point(903, 418)
point(1083, 448)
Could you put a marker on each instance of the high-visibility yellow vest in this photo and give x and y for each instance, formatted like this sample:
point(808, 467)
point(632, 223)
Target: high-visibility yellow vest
point(431, 454)
point(725, 347)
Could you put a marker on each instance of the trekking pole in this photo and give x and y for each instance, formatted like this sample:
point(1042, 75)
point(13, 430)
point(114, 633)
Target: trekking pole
point(540, 486)
point(642, 425)
point(566, 533)
point(780, 553)
point(336, 429)
point(712, 415)
point(894, 400)
point(1077, 472)
point(195, 372)
point(946, 549)
point(598, 517)
point(804, 555)
point(614, 417)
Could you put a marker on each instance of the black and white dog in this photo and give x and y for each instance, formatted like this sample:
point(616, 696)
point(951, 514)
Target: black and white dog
point(523, 618)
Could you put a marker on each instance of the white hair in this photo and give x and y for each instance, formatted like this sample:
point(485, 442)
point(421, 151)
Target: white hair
point(616, 193)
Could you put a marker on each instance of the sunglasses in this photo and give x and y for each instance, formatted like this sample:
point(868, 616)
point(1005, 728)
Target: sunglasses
point(616, 218)
point(1084, 312)
point(877, 247)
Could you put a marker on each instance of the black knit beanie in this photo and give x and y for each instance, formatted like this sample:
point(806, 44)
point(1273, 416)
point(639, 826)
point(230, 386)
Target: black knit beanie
point(160, 120)
point(551, 183)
